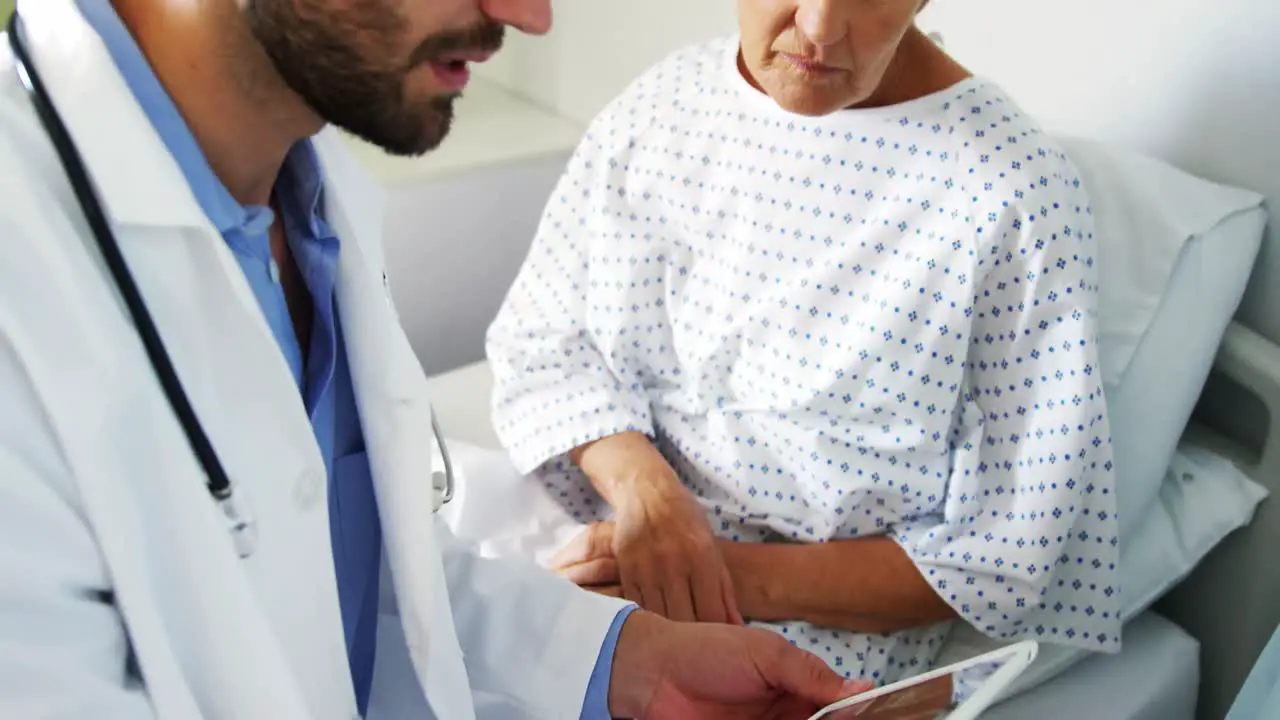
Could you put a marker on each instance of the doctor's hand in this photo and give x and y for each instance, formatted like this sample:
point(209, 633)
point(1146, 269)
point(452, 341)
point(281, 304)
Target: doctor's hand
point(677, 671)
point(665, 561)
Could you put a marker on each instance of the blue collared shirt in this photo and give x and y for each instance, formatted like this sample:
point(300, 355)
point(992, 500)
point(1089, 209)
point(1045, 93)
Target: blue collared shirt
point(321, 374)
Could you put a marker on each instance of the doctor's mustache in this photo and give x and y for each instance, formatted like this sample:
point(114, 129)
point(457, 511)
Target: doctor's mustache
point(486, 37)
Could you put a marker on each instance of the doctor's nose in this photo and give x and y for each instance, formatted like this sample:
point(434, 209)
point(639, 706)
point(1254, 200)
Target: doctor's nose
point(528, 16)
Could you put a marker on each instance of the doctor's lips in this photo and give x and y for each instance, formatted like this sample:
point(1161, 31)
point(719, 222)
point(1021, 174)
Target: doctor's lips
point(450, 54)
point(454, 71)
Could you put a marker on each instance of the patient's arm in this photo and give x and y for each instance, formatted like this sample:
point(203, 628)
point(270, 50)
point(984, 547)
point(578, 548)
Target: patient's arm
point(554, 387)
point(624, 465)
point(560, 387)
point(866, 585)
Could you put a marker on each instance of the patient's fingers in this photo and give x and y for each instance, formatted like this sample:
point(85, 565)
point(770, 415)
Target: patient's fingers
point(708, 595)
point(601, 571)
point(648, 597)
point(595, 541)
point(678, 597)
point(731, 600)
point(613, 591)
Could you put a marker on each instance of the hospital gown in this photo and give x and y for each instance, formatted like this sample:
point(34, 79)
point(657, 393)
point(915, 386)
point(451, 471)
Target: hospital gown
point(875, 322)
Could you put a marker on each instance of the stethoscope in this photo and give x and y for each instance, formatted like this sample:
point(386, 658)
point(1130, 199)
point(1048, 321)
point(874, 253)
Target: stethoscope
point(240, 520)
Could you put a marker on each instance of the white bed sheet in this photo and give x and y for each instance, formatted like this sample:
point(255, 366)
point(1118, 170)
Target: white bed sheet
point(1155, 677)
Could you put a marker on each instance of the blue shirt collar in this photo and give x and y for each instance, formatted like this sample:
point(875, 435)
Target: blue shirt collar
point(225, 213)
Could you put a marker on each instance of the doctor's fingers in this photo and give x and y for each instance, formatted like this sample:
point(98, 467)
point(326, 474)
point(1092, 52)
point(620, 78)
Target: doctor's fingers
point(594, 542)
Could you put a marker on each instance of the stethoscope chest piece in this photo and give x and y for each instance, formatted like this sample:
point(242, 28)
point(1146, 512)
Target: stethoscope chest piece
point(442, 479)
point(241, 523)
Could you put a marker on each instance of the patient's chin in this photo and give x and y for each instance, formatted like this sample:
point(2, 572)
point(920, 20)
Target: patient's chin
point(809, 103)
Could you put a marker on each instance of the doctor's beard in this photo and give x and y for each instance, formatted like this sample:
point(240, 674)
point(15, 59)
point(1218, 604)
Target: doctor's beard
point(335, 56)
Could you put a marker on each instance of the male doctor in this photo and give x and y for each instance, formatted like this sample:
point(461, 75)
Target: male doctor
point(254, 241)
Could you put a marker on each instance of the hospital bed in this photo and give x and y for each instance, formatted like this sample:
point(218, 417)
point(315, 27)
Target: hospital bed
point(1195, 84)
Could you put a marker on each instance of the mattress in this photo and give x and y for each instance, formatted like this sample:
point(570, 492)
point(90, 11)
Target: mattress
point(1155, 677)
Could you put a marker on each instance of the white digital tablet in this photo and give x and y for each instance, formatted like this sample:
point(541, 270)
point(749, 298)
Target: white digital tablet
point(930, 696)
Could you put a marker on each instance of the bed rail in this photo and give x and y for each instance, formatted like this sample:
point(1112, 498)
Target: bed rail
point(1231, 602)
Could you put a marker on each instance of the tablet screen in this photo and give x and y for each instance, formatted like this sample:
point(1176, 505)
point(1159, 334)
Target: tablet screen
point(932, 699)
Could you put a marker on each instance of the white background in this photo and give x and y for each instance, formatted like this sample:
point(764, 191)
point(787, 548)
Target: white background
point(597, 47)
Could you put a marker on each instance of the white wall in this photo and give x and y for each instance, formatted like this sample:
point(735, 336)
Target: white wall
point(597, 47)
point(454, 243)
point(1196, 84)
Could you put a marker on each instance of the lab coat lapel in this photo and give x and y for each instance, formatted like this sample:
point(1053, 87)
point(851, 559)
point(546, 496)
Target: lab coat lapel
point(245, 397)
point(395, 414)
point(175, 255)
point(109, 128)
point(171, 248)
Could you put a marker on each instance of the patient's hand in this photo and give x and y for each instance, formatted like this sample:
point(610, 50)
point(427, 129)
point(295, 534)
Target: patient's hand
point(660, 550)
point(661, 555)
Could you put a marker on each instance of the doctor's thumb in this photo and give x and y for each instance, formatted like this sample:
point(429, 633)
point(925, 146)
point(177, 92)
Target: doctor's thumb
point(806, 676)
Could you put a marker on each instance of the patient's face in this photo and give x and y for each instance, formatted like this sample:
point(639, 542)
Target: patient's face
point(387, 70)
point(814, 57)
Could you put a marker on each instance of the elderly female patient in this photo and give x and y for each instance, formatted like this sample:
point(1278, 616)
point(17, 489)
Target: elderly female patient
point(808, 335)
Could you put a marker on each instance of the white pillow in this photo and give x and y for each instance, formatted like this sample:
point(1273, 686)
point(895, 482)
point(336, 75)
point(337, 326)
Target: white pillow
point(1154, 399)
point(1175, 254)
point(1202, 500)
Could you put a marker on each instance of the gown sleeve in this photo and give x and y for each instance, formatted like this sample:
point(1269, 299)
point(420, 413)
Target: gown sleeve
point(1026, 546)
point(554, 389)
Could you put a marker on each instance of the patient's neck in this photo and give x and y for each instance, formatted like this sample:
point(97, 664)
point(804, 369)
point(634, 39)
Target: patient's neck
point(919, 68)
point(242, 114)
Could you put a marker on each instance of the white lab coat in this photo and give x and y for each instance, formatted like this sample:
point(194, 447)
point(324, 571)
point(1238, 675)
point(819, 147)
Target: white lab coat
point(112, 554)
